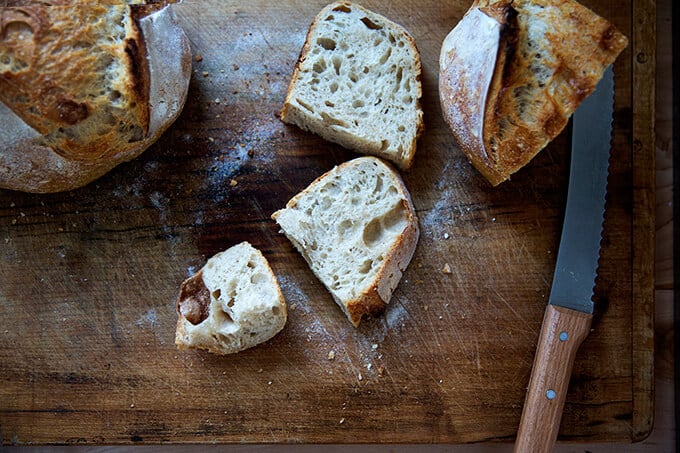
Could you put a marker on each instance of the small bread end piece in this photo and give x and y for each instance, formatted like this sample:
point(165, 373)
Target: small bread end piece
point(233, 303)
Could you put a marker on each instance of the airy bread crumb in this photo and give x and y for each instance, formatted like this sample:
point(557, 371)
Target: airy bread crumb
point(357, 83)
point(233, 303)
point(357, 229)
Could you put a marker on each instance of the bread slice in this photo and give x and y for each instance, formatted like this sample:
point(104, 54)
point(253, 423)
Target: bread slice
point(357, 229)
point(84, 87)
point(233, 303)
point(357, 83)
point(513, 72)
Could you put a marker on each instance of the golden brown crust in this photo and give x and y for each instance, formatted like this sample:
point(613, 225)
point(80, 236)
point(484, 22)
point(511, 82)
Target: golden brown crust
point(64, 102)
point(550, 56)
point(73, 118)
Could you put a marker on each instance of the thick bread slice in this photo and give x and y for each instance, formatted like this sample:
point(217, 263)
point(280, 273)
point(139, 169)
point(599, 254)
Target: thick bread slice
point(513, 72)
point(357, 83)
point(357, 229)
point(233, 303)
point(85, 87)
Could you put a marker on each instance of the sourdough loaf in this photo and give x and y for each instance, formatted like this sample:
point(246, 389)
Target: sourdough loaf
point(233, 303)
point(357, 229)
point(513, 72)
point(357, 83)
point(84, 87)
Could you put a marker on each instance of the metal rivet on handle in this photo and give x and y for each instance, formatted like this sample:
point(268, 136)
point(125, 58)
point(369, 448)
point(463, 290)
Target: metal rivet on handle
point(550, 394)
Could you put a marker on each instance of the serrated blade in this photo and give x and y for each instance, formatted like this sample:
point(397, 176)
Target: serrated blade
point(579, 251)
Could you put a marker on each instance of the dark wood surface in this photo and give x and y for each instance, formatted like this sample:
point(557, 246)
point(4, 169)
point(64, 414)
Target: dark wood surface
point(88, 279)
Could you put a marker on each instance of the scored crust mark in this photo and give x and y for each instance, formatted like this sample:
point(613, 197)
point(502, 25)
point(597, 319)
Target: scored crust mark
point(357, 83)
point(357, 229)
point(548, 56)
point(79, 90)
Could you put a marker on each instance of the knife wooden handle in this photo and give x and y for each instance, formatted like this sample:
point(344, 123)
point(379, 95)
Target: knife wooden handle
point(562, 333)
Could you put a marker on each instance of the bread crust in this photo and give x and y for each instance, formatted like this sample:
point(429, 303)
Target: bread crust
point(484, 95)
point(42, 100)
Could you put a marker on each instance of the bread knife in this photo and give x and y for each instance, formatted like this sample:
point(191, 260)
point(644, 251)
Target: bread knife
point(569, 313)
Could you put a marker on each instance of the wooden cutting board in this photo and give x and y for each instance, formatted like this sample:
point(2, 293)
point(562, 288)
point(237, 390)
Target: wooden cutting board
point(89, 278)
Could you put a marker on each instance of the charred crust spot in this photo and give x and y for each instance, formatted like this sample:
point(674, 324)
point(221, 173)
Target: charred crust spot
point(194, 299)
point(70, 112)
point(610, 39)
point(135, 57)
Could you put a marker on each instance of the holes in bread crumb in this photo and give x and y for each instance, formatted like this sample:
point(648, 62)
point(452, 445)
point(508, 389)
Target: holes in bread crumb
point(401, 129)
point(366, 266)
point(216, 294)
point(333, 87)
point(319, 66)
point(330, 17)
point(223, 318)
point(337, 63)
point(384, 144)
point(395, 219)
point(326, 43)
point(373, 233)
point(386, 55)
point(329, 104)
point(342, 9)
point(304, 105)
point(358, 104)
point(331, 121)
point(370, 24)
point(276, 310)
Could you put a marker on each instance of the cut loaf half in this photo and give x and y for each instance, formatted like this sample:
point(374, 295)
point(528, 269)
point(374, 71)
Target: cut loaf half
point(357, 229)
point(85, 86)
point(233, 303)
point(513, 72)
point(357, 83)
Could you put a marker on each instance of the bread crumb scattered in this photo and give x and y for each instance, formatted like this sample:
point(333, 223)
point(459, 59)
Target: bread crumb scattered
point(206, 73)
point(446, 235)
point(198, 58)
point(374, 346)
point(381, 370)
point(233, 183)
point(446, 269)
point(342, 420)
point(235, 67)
point(331, 355)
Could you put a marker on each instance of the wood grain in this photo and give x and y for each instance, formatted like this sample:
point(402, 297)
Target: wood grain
point(562, 332)
point(88, 279)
